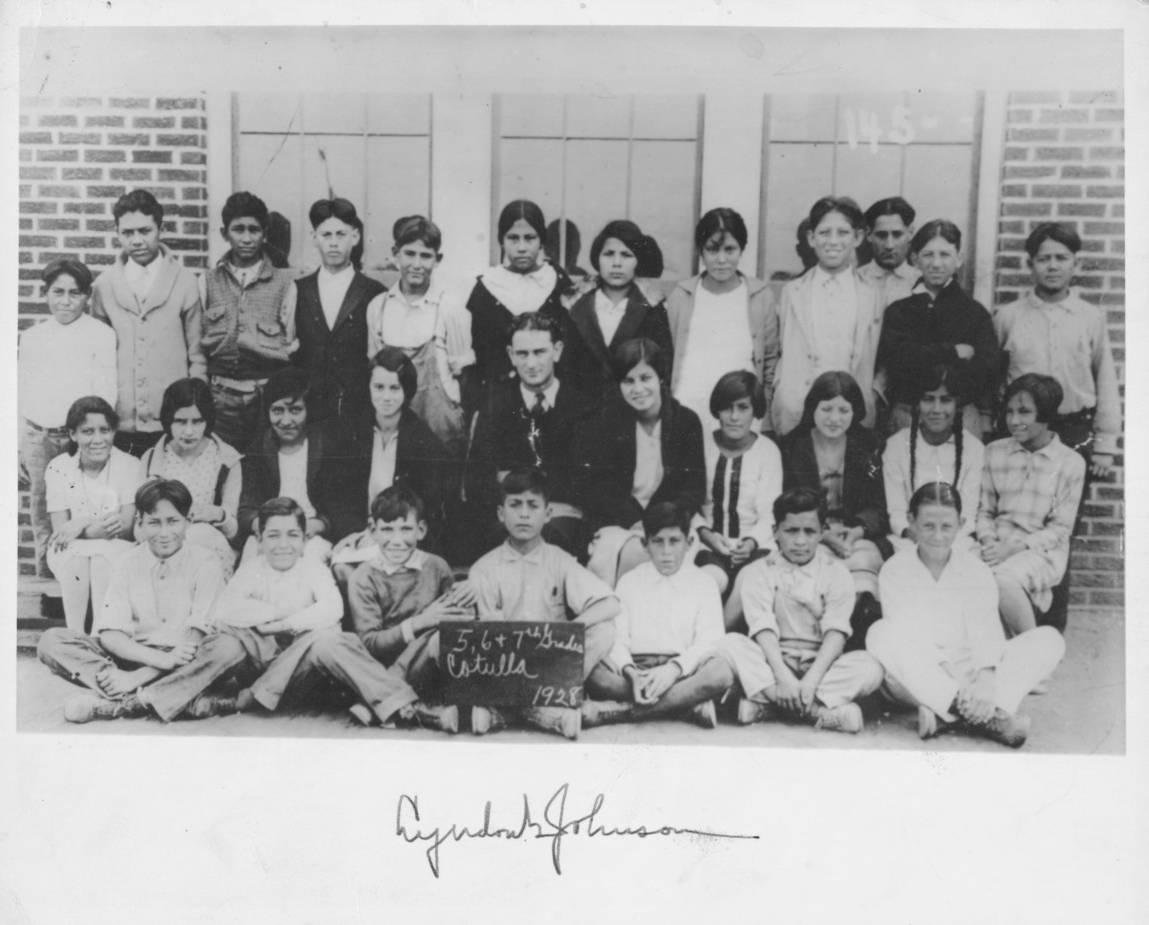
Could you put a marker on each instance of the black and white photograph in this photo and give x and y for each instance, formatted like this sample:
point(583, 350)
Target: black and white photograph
point(733, 410)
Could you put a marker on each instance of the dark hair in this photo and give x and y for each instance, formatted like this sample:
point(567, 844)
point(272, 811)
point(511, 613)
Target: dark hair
point(184, 393)
point(940, 493)
point(622, 230)
point(395, 503)
point(894, 205)
point(1061, 232)
point(664, 515)
point(833, 384)
point(291, 382)
point(90, 404)
point(68, 266)
point(245, 205)
point(569, 258)
point(535, 321)
point(523, 209)
point(799, 501)
point(152, 492)
point(396, 361)
point(138, 200)
point(843, 205)
point(734, 385)
point(630, 353)
point(959, 384)
point(718, 221)
point(1045, 391)
point(802, 247)
point(342, 209)
point(413, 228)
point(279, 507)
point(935, 228)
point(650, 262)
point(524, 480)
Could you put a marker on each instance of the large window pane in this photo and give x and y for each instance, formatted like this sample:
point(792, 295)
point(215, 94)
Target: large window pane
point(662, 197)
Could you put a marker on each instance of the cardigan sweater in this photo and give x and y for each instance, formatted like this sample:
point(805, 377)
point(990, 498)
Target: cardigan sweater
point(260, 468)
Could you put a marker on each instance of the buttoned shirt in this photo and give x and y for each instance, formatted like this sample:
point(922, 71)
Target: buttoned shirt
point(59, 363)
point(332, 290)
point(894, 284)
point(1068, 340)
point(304, 595)
point(746, 487)
point(798, 603)
point(931, 464)
point(293, 478)
point(155, 601)
point(834, 315)
point(648, 468)
point(609, 314)
point(678, 615)
point(141, 277)
point(550, 394)
point(544, 584)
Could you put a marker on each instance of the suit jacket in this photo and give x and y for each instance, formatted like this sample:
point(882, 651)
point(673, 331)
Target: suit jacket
point(605, 454)
point(335, 357)
point(800, 364)
point(586, 351)
point(260, 469)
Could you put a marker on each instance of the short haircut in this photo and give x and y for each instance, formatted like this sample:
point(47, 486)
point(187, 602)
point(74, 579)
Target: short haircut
point(799, 501)
point(524, 480)
point(843, 205)
point(291, 382)
point(936, 228)
point(717, 221)
point(940, 493)
point(893, 205)
point(90, 404)
point(734, 385)
point(523, 209)
point(1045, 391)
point(152, 492)
point(342, 209)
point(279, 507)
point(412, 228)
point(622, 230)
point(665, 515)
point(833, 384)
point(1061, 232)
point(68, 266)
point(245, 205)
point(395, 503)
point(535, 321)
point(138, 200)
point(630, 353)
point(396, 361)
point(184, 393)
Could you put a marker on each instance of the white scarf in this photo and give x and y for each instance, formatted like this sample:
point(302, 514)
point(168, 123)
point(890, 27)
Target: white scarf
point(521, 292)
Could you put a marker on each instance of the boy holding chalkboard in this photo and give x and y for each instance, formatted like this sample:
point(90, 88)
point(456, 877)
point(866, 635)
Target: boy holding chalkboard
point(663, 662)
point(527, 578)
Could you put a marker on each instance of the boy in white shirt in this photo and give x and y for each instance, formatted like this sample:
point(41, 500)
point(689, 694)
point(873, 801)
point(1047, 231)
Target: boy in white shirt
point(664, 661)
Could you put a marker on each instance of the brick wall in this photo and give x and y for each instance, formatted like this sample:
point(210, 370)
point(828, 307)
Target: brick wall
point(1064, 160)
point(77, 156)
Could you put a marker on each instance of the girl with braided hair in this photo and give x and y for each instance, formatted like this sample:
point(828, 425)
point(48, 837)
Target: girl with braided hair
point(934, 448)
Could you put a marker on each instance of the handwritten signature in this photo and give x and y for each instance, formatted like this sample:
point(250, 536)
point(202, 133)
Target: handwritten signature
point(553, 824)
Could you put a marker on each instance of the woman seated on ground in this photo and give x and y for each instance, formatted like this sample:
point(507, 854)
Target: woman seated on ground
point(940, 641)
point(934, 448)
point(391, 446)
point(743, 477)
point(91, 494)
point(830, 451)
point(288, 460)
point(1031, 488)
point(189, 452)
point(642, 449)
point(615, 311)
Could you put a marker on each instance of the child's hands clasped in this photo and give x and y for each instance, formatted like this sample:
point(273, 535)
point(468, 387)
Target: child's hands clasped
point(656, 682)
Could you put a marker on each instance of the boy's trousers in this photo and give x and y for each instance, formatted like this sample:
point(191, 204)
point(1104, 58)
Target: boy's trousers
point(79, 658)
point(917, 674)
point(283, 661)
point(852, 674)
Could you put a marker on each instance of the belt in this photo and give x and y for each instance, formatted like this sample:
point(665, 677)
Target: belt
point(51, 431)
point(242, 386)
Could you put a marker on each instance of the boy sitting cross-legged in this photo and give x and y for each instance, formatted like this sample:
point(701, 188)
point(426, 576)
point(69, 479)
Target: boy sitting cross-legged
point(797, 604)
point(285, 610)
point(399, 597)
point(664, 660)
point(527, 578)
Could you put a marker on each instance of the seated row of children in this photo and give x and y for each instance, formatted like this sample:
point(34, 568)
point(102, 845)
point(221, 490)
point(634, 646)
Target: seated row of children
point(170, 638)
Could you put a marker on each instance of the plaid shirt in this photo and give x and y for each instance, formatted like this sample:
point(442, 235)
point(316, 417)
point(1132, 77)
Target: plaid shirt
point(1032, 494)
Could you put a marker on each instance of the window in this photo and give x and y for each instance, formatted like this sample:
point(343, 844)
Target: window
point(372, 149)
point(591, 159)
point(922, 146)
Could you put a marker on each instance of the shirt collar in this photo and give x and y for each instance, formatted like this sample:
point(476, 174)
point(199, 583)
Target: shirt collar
point(414, 563)
point(603, 303)
point(823, 277)
point(810, 568)
point(510, 554)
point(432, 297)
point(1068, 304)
point(549, 395)
point(1047, 450)
point(326, 274)
point(172, 561)
point(262, 269)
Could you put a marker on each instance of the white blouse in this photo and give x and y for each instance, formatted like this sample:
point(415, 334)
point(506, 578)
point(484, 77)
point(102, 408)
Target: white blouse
point(754, 479)
point(932, 464)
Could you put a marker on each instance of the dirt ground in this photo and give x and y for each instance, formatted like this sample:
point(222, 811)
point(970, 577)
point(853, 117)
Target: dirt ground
point(1083, 713)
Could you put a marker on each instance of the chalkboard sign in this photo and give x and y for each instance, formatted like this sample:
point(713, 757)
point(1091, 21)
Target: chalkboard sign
point(512, 664)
